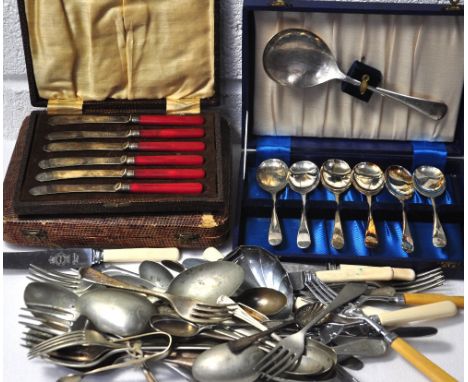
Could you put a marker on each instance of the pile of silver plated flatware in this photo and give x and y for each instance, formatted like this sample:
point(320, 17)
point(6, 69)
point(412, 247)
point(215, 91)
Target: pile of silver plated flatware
point(243, 317)
point(273, 176)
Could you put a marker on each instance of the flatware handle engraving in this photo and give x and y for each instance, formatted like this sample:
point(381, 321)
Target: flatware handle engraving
point(407, 240)
point(170, 146)
point(337, 237)
point(142, 160)
point(303, 236)
point(174, 120)
point(274, 233)
point(165, 188)
point(439, 239)
point(371, 240)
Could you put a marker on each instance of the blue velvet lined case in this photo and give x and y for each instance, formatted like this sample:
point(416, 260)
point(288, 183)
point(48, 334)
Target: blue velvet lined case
point(255, 204)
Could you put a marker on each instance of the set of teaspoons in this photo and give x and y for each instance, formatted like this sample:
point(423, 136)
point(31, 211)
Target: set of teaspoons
point(273, 175)
point(61, 141)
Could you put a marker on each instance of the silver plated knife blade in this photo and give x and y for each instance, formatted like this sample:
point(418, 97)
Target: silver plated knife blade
point(63, 135)
point(74, 174)
point(53, 258)
point(51, 189)
point(83, 146)
point(74, 119)
point(83, 161)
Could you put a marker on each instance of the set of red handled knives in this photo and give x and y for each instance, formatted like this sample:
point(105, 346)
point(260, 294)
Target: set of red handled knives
point(176, 142)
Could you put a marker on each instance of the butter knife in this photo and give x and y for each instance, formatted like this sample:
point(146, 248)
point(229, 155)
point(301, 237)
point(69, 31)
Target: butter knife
point(142, 173)
point(85, 257)
point(137, 160)
point(174, 120)
point(149, 133)
point(140, 188)
point(113, 146)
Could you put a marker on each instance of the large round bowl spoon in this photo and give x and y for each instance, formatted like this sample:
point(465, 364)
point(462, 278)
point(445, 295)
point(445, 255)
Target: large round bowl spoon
point(299, 58)
point(272, 176)
point(369, 180)
point(266, 300)
point(303, 178)
point(429, 181)
point(400, 184)
point(335, 175)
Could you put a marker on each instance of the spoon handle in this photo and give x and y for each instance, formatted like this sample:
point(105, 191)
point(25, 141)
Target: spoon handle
point(337, 237)
point(439, 239)
point(303, 236)
point(407, 240)
point(371, 240)
point(431, 109)
point(274, 233)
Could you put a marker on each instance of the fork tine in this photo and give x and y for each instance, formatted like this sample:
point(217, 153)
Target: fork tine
point(265, 363)
point(54, 276)
point(42, 328)
point(45, 312)
point(286, 363)
point(51, 322)
point(64, 338)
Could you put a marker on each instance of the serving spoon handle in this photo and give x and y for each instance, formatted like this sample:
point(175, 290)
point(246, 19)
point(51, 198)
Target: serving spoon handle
point(337, 237)
point(439, 239)
point(274, 233)
point(407, 240)
point(371, 240)
point(431, 109)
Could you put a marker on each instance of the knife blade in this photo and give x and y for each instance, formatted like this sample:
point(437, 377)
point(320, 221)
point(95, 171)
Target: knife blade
point(180, 173)
point(138, 160)
point(150, 133)
point(175, 120)
point(140, 188)
point(85, 257)
point(112, 146)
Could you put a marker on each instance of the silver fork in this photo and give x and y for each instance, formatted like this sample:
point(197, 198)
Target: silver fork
point(70, 279)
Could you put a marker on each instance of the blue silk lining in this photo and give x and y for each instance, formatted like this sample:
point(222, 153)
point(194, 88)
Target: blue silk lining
point(273, 147)
point(429, 153)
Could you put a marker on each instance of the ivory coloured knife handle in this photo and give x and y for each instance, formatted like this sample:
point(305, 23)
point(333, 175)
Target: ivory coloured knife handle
point(169, 146)
point(172, 133)
point(420, 361)
point(404, 274)
point(356, 274)
point(175, 120)
point(427, 298)
point(143, 160)
point(164, 173)
point(127, 255)
point(166, 188)
point(436, 310)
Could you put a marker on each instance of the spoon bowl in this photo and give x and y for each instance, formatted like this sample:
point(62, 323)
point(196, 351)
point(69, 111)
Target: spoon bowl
point(301, 59)
point(272, 176)
point(335, 175)
point(399, 183)
point(429, 181)
point(303, 178)
point(266, 300)
point(156, 274)
point(369, 180)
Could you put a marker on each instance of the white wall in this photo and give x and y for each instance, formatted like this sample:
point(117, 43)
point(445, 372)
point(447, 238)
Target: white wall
point(16, 103)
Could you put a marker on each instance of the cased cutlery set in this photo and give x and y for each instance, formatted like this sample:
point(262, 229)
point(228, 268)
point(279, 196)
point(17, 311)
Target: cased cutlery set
point(273, 175)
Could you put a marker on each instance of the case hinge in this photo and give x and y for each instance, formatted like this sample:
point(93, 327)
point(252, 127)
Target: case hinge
point(454, 6)
point(183, 106)
point(65, 106)
point(36, 235)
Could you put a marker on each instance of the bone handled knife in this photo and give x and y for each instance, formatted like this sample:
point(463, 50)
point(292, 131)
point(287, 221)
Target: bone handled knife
point(174, 120)
point(138, 160)
point(150, 133)
point(85, 257)
point(136, 146)
point(158, 173)
point(139, 188)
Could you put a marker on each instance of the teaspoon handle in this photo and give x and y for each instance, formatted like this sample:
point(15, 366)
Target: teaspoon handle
point(407, 240)
point(371, 240)
point(303, 236)
point(431, 109)
point(439, 239)
point(274, 233)
point(337, 237)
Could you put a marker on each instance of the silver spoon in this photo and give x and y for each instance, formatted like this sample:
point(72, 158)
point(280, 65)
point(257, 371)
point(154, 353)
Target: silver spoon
point(266, 300)
point(303, 178)
point(429, 181)
point(335, 175)
point(155, 273)
point(399, 183)
point(369, 180)
point(272, 176)
point(299, 58)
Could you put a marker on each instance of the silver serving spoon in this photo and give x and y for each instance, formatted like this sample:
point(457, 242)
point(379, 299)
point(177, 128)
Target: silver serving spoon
point(399, 183)
point(303, 178)
point(429, 181)
point(266, 300)
point(272, 176)
point(369, 180)
point(299, 58)
point(335, 175)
